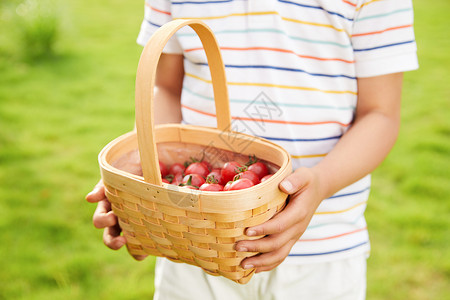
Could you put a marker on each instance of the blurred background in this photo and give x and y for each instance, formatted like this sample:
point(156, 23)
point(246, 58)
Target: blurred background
point(67, 71)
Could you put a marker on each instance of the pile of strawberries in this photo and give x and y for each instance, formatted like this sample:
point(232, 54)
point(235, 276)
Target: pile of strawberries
point(200, 175)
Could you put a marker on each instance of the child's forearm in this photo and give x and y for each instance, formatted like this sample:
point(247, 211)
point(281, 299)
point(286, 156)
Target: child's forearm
point(167, 92)
point(358, 152)
point(168, 86)
point(371, 137)
point(167, 106)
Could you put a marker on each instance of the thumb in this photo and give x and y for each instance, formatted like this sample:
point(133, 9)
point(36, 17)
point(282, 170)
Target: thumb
point(296, 181)
point(97, 194)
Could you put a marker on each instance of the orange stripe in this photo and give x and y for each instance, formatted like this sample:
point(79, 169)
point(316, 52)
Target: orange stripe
point(334, 236)
point(199, 111)
point(158, 10)
point(378, 32)
point(349, 3)
point(276, 50)
point(268, 121)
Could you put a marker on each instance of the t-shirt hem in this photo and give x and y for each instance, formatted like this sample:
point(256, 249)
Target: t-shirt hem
point(401, 62)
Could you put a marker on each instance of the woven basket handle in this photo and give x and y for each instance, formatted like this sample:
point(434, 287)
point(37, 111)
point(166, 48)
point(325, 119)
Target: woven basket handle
point(145, 82)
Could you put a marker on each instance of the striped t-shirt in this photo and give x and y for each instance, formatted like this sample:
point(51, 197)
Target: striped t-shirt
point(291, 68)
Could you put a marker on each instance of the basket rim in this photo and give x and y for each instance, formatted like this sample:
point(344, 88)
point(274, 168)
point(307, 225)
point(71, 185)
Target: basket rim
point(137, 182)
point(105, 164)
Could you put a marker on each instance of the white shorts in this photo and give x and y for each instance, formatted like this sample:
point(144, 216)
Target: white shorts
point(343, 279)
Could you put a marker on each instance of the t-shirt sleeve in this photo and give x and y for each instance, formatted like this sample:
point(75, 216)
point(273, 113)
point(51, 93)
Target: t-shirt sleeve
point(157, 13)
point(383, 37)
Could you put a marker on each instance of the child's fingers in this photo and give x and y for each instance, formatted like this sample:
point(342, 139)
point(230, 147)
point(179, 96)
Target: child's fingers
point(265, 261)
point(114, 241)
point(97, 194)
point(296, 181)
point(139, 257)
point(103, 215)
point(291, 215)
point(267, 268)
point(112, 237)
point(269, 243)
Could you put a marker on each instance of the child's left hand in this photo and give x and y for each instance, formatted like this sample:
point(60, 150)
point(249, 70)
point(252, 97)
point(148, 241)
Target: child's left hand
point(285, 228)
point(360, 150)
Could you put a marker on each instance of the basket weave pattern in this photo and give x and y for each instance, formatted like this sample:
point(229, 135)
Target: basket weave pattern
point(203, 239)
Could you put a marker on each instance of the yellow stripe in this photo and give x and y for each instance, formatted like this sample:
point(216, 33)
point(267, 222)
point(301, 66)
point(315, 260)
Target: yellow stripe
point(308, 156)
point(274, 85)
point(367, 3)
point(262, 13)
point(233, 15)
point(312, 23)
point(340, 211)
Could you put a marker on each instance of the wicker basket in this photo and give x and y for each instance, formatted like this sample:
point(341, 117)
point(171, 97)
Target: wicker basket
point(184, 225)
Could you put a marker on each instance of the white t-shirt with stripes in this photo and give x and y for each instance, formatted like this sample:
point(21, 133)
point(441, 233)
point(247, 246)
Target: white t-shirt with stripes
point(291, 68)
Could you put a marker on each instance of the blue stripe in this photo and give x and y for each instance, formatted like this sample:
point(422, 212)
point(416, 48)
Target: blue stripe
point(316, 7)
point(384, 46)
point(153, 24)
point(330, 252)
point(282, 1)
point(349, 194)
point(301, 140)
point(281, 69)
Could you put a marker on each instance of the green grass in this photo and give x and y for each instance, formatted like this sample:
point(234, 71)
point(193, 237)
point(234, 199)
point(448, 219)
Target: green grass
point(409, 208)
point(58, 111)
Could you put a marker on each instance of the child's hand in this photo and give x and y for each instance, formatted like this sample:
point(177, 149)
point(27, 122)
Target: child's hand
point(105, 218)
point(360, 150)
point(285, 228)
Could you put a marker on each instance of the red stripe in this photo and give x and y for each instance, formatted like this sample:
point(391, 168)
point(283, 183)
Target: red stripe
point(267, 121)
point(378, 32)
point(158, 10)
point(276, 50)
point(334, 236)
point(349, 3)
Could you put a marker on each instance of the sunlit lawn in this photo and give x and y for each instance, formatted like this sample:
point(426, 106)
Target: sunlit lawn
point(56, 114)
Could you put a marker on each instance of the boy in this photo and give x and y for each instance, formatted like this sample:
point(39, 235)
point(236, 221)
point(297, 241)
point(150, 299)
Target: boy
point(323, 79)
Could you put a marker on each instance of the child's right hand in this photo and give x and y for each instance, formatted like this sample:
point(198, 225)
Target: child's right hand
point(104, 218)
point(168, 87)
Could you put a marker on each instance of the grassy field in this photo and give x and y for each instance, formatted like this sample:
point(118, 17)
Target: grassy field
point(57, 112)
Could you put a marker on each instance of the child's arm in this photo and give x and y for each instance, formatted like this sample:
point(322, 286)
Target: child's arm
point(168, 85)
point(169, 81)
point(359, 152)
